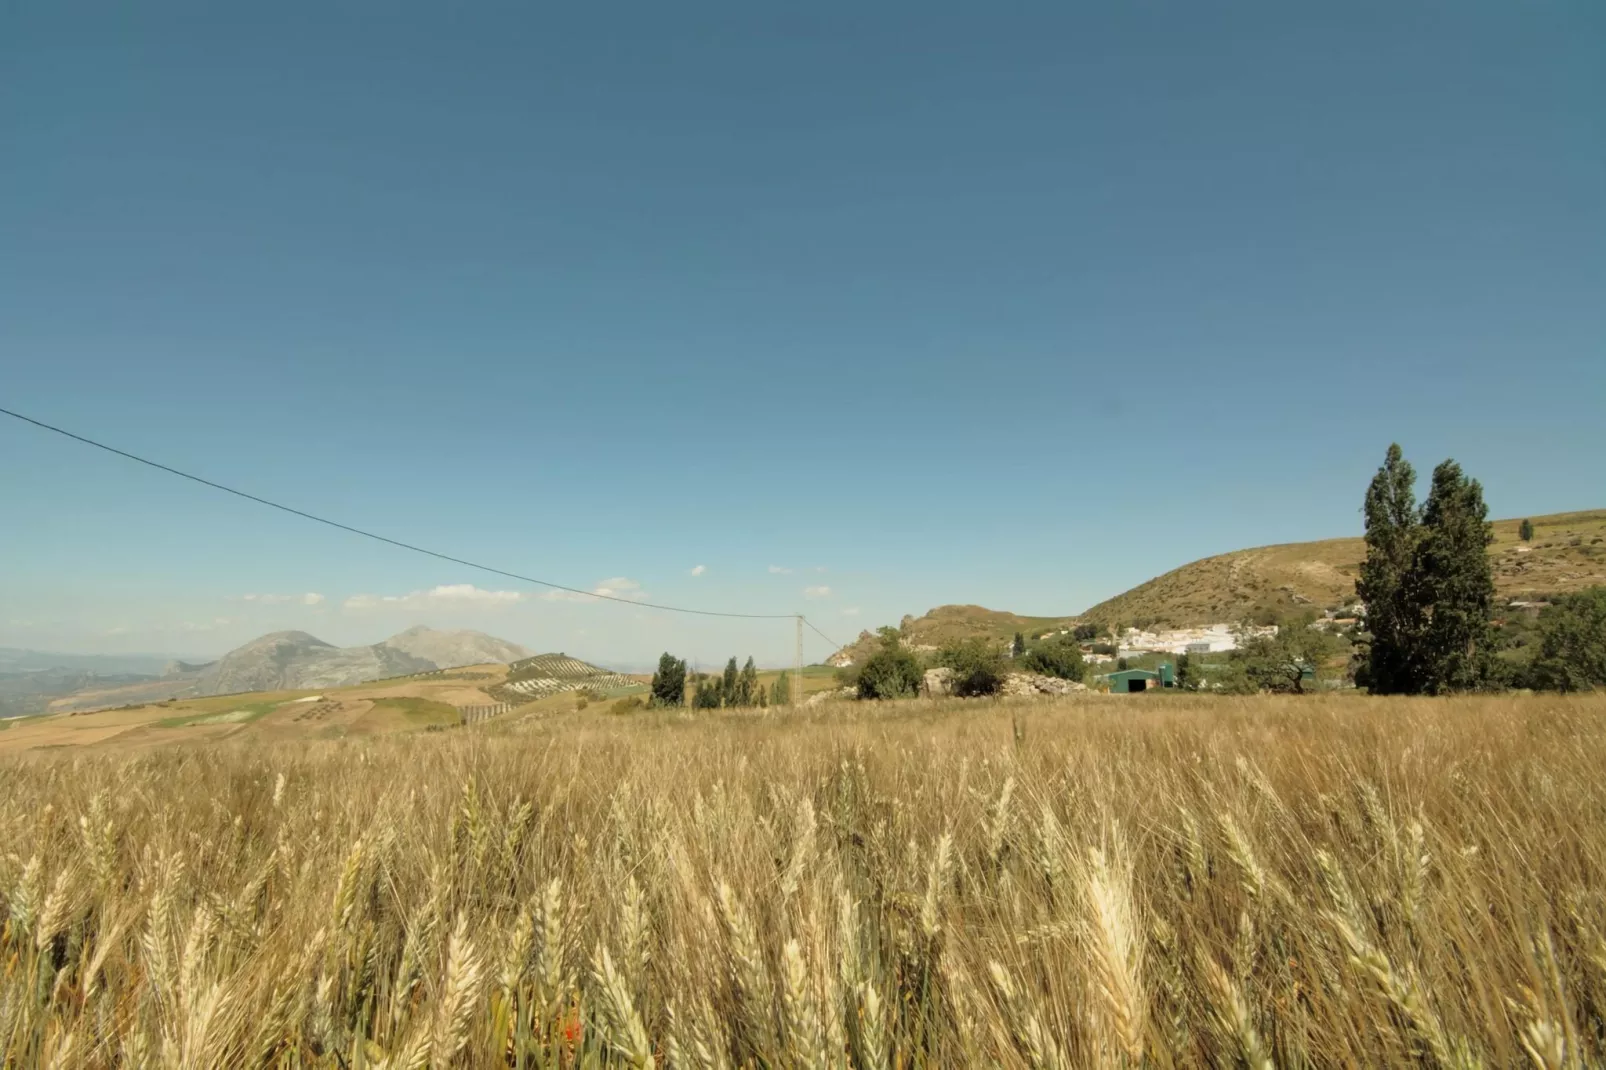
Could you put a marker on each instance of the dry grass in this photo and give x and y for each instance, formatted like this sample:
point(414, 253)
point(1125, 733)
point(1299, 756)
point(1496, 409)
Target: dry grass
point(1329, 882)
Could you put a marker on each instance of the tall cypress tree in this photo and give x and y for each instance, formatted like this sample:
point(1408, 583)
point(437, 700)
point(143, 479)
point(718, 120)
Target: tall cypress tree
point(1387, 583)
point(747, 684)
point(1457, 583)
point(728, 688)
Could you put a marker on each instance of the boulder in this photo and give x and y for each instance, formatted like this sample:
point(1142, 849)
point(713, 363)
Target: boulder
point(938, 683)
point(1026, 683)
point(840, 694)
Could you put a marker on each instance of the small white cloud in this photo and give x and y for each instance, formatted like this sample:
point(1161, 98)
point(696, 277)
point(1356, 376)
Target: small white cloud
point(780, 570)
point(851, 611)
point(612, 587)
point(311, 598)
point(698, 570)
point(445, 594)
point(819, 568)
point(467, 592)
point(820, 591)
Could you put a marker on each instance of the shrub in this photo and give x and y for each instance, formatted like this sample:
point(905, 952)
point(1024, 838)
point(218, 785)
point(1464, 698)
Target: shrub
point(629, 704)
point(708, 692)
point(978, 668)
point(669, 682)
point(1572, 643)
point(891, 672)
point(1058, 656)
point(1087, 632)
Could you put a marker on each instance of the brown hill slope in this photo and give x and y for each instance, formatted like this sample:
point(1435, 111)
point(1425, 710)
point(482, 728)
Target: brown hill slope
point(1568, 551)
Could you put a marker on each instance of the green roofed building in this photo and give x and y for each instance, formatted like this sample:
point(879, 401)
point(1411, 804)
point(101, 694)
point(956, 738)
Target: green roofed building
point(1127, 681)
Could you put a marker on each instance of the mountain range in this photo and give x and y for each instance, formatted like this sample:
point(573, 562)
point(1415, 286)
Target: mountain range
point(288, 661)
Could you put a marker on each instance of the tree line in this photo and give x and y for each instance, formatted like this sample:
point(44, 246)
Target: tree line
point(732, 689)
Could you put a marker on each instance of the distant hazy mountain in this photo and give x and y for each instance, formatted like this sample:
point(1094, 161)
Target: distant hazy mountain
point(13, 660)
point(295, 659)
point(450, 649)
point(298, 660)
point(274, 662)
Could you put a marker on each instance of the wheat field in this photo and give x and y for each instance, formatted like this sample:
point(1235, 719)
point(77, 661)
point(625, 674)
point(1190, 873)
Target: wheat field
point(1334, 881)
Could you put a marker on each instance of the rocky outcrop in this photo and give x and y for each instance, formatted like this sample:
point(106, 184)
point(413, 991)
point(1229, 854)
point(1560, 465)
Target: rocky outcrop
point(840, 694)
point(938, 683)
point(1026, 683)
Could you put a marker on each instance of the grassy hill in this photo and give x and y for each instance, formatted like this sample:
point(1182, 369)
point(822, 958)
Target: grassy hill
point(1568, 551)
point(947, 624)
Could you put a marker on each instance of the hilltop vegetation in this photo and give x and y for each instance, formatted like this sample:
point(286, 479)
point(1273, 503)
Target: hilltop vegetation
point(948, 625)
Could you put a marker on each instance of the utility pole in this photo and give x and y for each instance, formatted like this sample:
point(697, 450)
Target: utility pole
point(797, 666)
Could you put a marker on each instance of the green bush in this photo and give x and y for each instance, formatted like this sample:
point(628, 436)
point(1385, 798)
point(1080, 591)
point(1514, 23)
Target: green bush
point(669, 682)
point(1572, 643)
point(978, 667)
point(1058, 656)
point(629, 704)
point(709, 692)
point(891, 672)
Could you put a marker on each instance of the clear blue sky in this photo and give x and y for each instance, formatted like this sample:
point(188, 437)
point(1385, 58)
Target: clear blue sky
point(923, 303)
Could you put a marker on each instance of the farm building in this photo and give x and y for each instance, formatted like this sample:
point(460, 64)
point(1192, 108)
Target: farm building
point(1126, 681)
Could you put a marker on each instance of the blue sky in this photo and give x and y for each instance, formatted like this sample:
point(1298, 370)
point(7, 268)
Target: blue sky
point(904, 304)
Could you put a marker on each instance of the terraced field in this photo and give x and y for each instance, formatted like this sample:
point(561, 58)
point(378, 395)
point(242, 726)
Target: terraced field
point(554, 674)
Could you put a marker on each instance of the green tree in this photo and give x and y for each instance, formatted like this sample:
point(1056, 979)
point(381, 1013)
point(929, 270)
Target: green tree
point(1056, 656)
point(1120, 665)
point(892, 671)
point(1456, 585)
point(1184, 672)
point(1087, 631)
point(1279, 662)
point(729, 683)
point(781, 690)
point(708, 692)
point(747, 684)
point(1018, 646)
point(1572, 643)
point(1387, 583)
point(977, 665)
point(1525, 531)
point(669, 682)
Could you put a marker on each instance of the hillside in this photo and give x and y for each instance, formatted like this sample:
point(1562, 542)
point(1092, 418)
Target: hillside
point(1568, 552)
point(550, 674)
point(947, 624)
point(295, 660)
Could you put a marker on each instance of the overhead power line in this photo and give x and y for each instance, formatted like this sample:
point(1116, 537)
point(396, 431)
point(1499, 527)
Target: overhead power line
point(405, 545)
